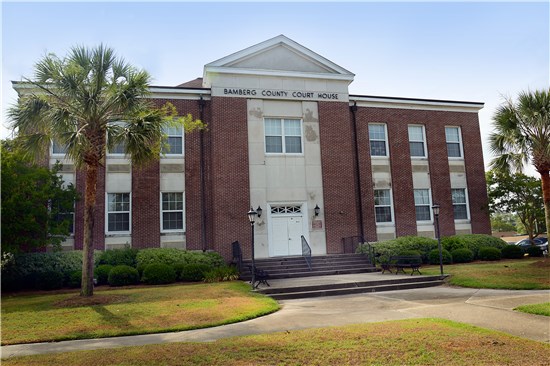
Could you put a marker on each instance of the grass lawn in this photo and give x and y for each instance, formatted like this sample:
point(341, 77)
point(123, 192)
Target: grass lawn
point(519, 274)
point(407, 342)
point(126, 311)
point(538, 309)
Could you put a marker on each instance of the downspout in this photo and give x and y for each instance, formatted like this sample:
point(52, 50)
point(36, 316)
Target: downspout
point(353, 110)
point(202, 103)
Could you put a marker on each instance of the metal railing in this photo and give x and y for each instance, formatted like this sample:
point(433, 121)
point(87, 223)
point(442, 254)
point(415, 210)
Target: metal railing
point(358, 244)
point(306, 252)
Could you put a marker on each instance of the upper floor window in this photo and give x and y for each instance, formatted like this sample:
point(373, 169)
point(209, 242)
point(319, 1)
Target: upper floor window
point(422, 205)
point(174, 140)
point(460, 205)
point(172, 211)
point(417, 143)
point(382, 205)
point(377, 139)
point(454, 142)
point(58, 149)
point(283, 136)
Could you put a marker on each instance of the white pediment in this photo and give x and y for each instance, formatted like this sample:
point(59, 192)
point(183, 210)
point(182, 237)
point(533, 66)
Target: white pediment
point(279, 56)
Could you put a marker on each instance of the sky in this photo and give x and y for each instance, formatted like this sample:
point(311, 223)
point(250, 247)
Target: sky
point(466, 51)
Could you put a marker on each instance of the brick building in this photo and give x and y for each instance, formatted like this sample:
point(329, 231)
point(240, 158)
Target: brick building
point(284, 134)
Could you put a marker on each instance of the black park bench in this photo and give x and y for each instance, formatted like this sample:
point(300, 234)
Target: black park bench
point(260, 277)
point(400, 262)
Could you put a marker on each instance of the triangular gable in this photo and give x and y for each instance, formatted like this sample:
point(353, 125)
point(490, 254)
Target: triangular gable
point(279, 56)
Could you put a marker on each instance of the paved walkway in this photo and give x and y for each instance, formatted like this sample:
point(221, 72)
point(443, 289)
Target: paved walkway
point(485, 308)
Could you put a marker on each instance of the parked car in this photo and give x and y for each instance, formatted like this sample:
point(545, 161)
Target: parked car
point(541, 242)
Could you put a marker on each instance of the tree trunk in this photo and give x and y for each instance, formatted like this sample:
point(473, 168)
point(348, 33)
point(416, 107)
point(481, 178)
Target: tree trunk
point(87, 287)
point(545, 179)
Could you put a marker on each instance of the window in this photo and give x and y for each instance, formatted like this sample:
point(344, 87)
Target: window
point(382, 205)
point(422, 205)
point(460, 207)
point(283, 136)
point(416, 141)
point(454, 143)
point(58, 149)
point(62, 214)
point(174, 140)
point(377, 139)
point(118, 149)
point(118, 212)
point(172, 211)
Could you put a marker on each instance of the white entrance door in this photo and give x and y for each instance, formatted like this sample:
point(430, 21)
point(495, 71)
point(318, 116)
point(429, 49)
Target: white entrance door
point(286, 235)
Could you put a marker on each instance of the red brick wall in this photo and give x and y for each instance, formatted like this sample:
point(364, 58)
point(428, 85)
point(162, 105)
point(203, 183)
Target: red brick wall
point(99, 224)
point(229, 175)
point(337, 164)
point(146, 206)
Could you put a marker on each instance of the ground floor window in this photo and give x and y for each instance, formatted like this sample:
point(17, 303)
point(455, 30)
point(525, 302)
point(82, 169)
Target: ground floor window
point(172, 211)
point(460, 207)
point(422, 205)
point(118, 212)
point(382, 205)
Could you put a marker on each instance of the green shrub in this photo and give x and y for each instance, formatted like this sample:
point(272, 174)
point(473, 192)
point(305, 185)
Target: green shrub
point(158, 274)
point(49, 280)
point(473, 242)
point(26, 268)
point(512, 252)
point(223, 273)
point(433, 256)
point(393, 247)
point(116, 257)
point(123, 275)
point(462, 255)
point(101, 273)
point(75, 279)
point(172, 256)
point(489, 254)
point(533, 251)
point(195, 272)
point(178, 267)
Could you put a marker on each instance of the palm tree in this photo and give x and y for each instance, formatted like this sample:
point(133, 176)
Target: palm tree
point(522, 135)
point(74, 102)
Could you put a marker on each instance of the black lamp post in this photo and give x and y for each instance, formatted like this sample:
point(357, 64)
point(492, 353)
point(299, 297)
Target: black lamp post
point(435, 209)
point(252, 217)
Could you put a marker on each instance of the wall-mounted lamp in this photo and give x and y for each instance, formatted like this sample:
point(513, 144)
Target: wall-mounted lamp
point(259, 211)
point(317, 210)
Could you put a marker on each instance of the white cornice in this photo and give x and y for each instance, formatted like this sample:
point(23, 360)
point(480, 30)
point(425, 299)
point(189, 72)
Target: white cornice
point(276, 73)
point(161, 92)
point(409, 103)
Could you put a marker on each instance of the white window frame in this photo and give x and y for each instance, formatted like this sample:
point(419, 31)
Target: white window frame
point(423, 141)
point(52, 153)
point(107, 214)
point(382, 223)
point(181, 135)
point(459, 142)
point(429, 204)
point(466, 204)
point(113, 154)
point(386, 144)
point(162, 211)
point(283, 136)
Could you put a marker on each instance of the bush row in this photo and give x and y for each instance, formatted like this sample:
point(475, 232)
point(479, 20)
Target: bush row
point(53, 270)
point(455, 249)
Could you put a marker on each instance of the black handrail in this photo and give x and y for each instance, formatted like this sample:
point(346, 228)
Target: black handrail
point(351, 244)
point(306, 252)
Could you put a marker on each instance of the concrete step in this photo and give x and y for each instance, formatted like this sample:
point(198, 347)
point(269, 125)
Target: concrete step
point(347, 289)
point(307, 273)
point(303, 267)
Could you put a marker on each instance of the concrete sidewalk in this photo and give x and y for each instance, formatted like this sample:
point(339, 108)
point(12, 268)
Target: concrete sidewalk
point(490, 309)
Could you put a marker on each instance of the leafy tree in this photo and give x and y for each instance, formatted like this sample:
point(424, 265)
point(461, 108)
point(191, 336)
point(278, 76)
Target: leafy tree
point(34, 203)
point(503, 221)
point(522, 134)
point(519, 194)
point(75, 101)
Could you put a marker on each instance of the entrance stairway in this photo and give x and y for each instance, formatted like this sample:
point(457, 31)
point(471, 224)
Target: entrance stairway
point(292, 267)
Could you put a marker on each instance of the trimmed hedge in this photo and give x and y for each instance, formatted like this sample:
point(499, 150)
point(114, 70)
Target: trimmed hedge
point(195, 272)
point(433, 256)
point(393, 247)
point(101, 274)
point(158, 274)
point(512, 252)
point(473, 242)
point(75, 279)
point(462, 255)
point(534, 251)
point(123, 275)
point(489, 254)
point(173, 256)
point(116, 257)
point(223, 273)
point(28, 270)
